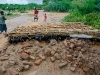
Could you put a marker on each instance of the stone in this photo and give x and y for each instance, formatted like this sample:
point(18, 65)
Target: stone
point(70, 57)
point(61, 65)
point(1, 63)
point(53, 52)
point(71, 45)
point(26, 44)
point(4, 58)
point(27, 63)
point(42, 56)
point(90, 66)
point(32, 57)
point(52, 59)
point(53, 42)
point(65, 43)
point(85, 69)
point(12, 72)
point(26, 67)
point(2, 70)
point(72, 69)
point(38, 62)
point(24, 56)
point(33, 73)
point(57, 56)
point(47, 53)
point(11, 63)
point(20, 68)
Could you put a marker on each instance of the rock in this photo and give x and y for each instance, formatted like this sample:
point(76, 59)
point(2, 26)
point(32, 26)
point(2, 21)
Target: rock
point(33, 73)
point(53, 52)
point(72, 69)
point(27, 63)
point(85, 69)
point(42, 56)
point(73, 40)
point(47, 53)
point(57, 56)
point(32, 57)
point(53, 42)
point(11, 63)
point(26, 67)
point(52, 59)
point(71, 45)
point(38, 62)
point(24, 56)
point(11, 58)
point(1, 63)
point(90, 66)
point(65, 43)
point(26, 44)
point(4, 58)
point(70, 57)
point(2, 70)
point(83, 50)
point(75, 54)
point(20, 68)
point(12, 72)
point(61, 65)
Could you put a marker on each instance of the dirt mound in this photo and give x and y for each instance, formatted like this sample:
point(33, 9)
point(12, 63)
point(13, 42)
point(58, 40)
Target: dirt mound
point(77, 55)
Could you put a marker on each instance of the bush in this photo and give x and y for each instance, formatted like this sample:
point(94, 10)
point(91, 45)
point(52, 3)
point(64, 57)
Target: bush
point(92, 19)
point(59, 6)
point(84, 6)
point(9, 13)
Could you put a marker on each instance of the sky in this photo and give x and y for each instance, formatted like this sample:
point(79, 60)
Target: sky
point(20, 1)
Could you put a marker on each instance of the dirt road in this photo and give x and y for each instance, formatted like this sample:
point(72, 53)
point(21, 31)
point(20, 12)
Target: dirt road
point(27, 19)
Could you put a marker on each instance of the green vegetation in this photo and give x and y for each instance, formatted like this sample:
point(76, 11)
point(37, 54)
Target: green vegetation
point(56, 5)
point(86, 11)
point(21, 8)
point(11, 9)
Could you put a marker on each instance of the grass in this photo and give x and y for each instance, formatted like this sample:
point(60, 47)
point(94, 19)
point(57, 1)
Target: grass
point(11, 16)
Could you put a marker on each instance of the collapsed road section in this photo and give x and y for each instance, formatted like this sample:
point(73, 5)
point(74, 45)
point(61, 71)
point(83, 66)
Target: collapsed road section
point(53, 31)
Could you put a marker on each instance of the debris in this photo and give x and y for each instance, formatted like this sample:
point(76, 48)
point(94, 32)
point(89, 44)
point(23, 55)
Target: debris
point(27, 63)
point(38, 62)
point(72, 69)
point(26, 67)
point(42, 56)
point(33, 73)
point(61, 65)
point(24, 56)
point(57, 56)
point(53, 52)
point(52, 59)
point(70, 57)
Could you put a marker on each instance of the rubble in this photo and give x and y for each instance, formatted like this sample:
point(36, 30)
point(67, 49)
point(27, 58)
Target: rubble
point(73, 53)
point(52, 59)
point(57, 56)
point(38, 62)
point(61, 65)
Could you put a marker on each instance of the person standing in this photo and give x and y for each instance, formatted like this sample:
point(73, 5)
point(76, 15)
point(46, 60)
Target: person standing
point(35, 14)
point(45, 17)
point(3, 26)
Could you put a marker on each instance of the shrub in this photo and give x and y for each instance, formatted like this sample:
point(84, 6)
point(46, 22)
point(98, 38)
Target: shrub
point(9, 13)
point(92, 19)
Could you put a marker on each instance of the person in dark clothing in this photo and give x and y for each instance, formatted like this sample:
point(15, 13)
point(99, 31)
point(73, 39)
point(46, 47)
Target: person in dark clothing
point(3, 26)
